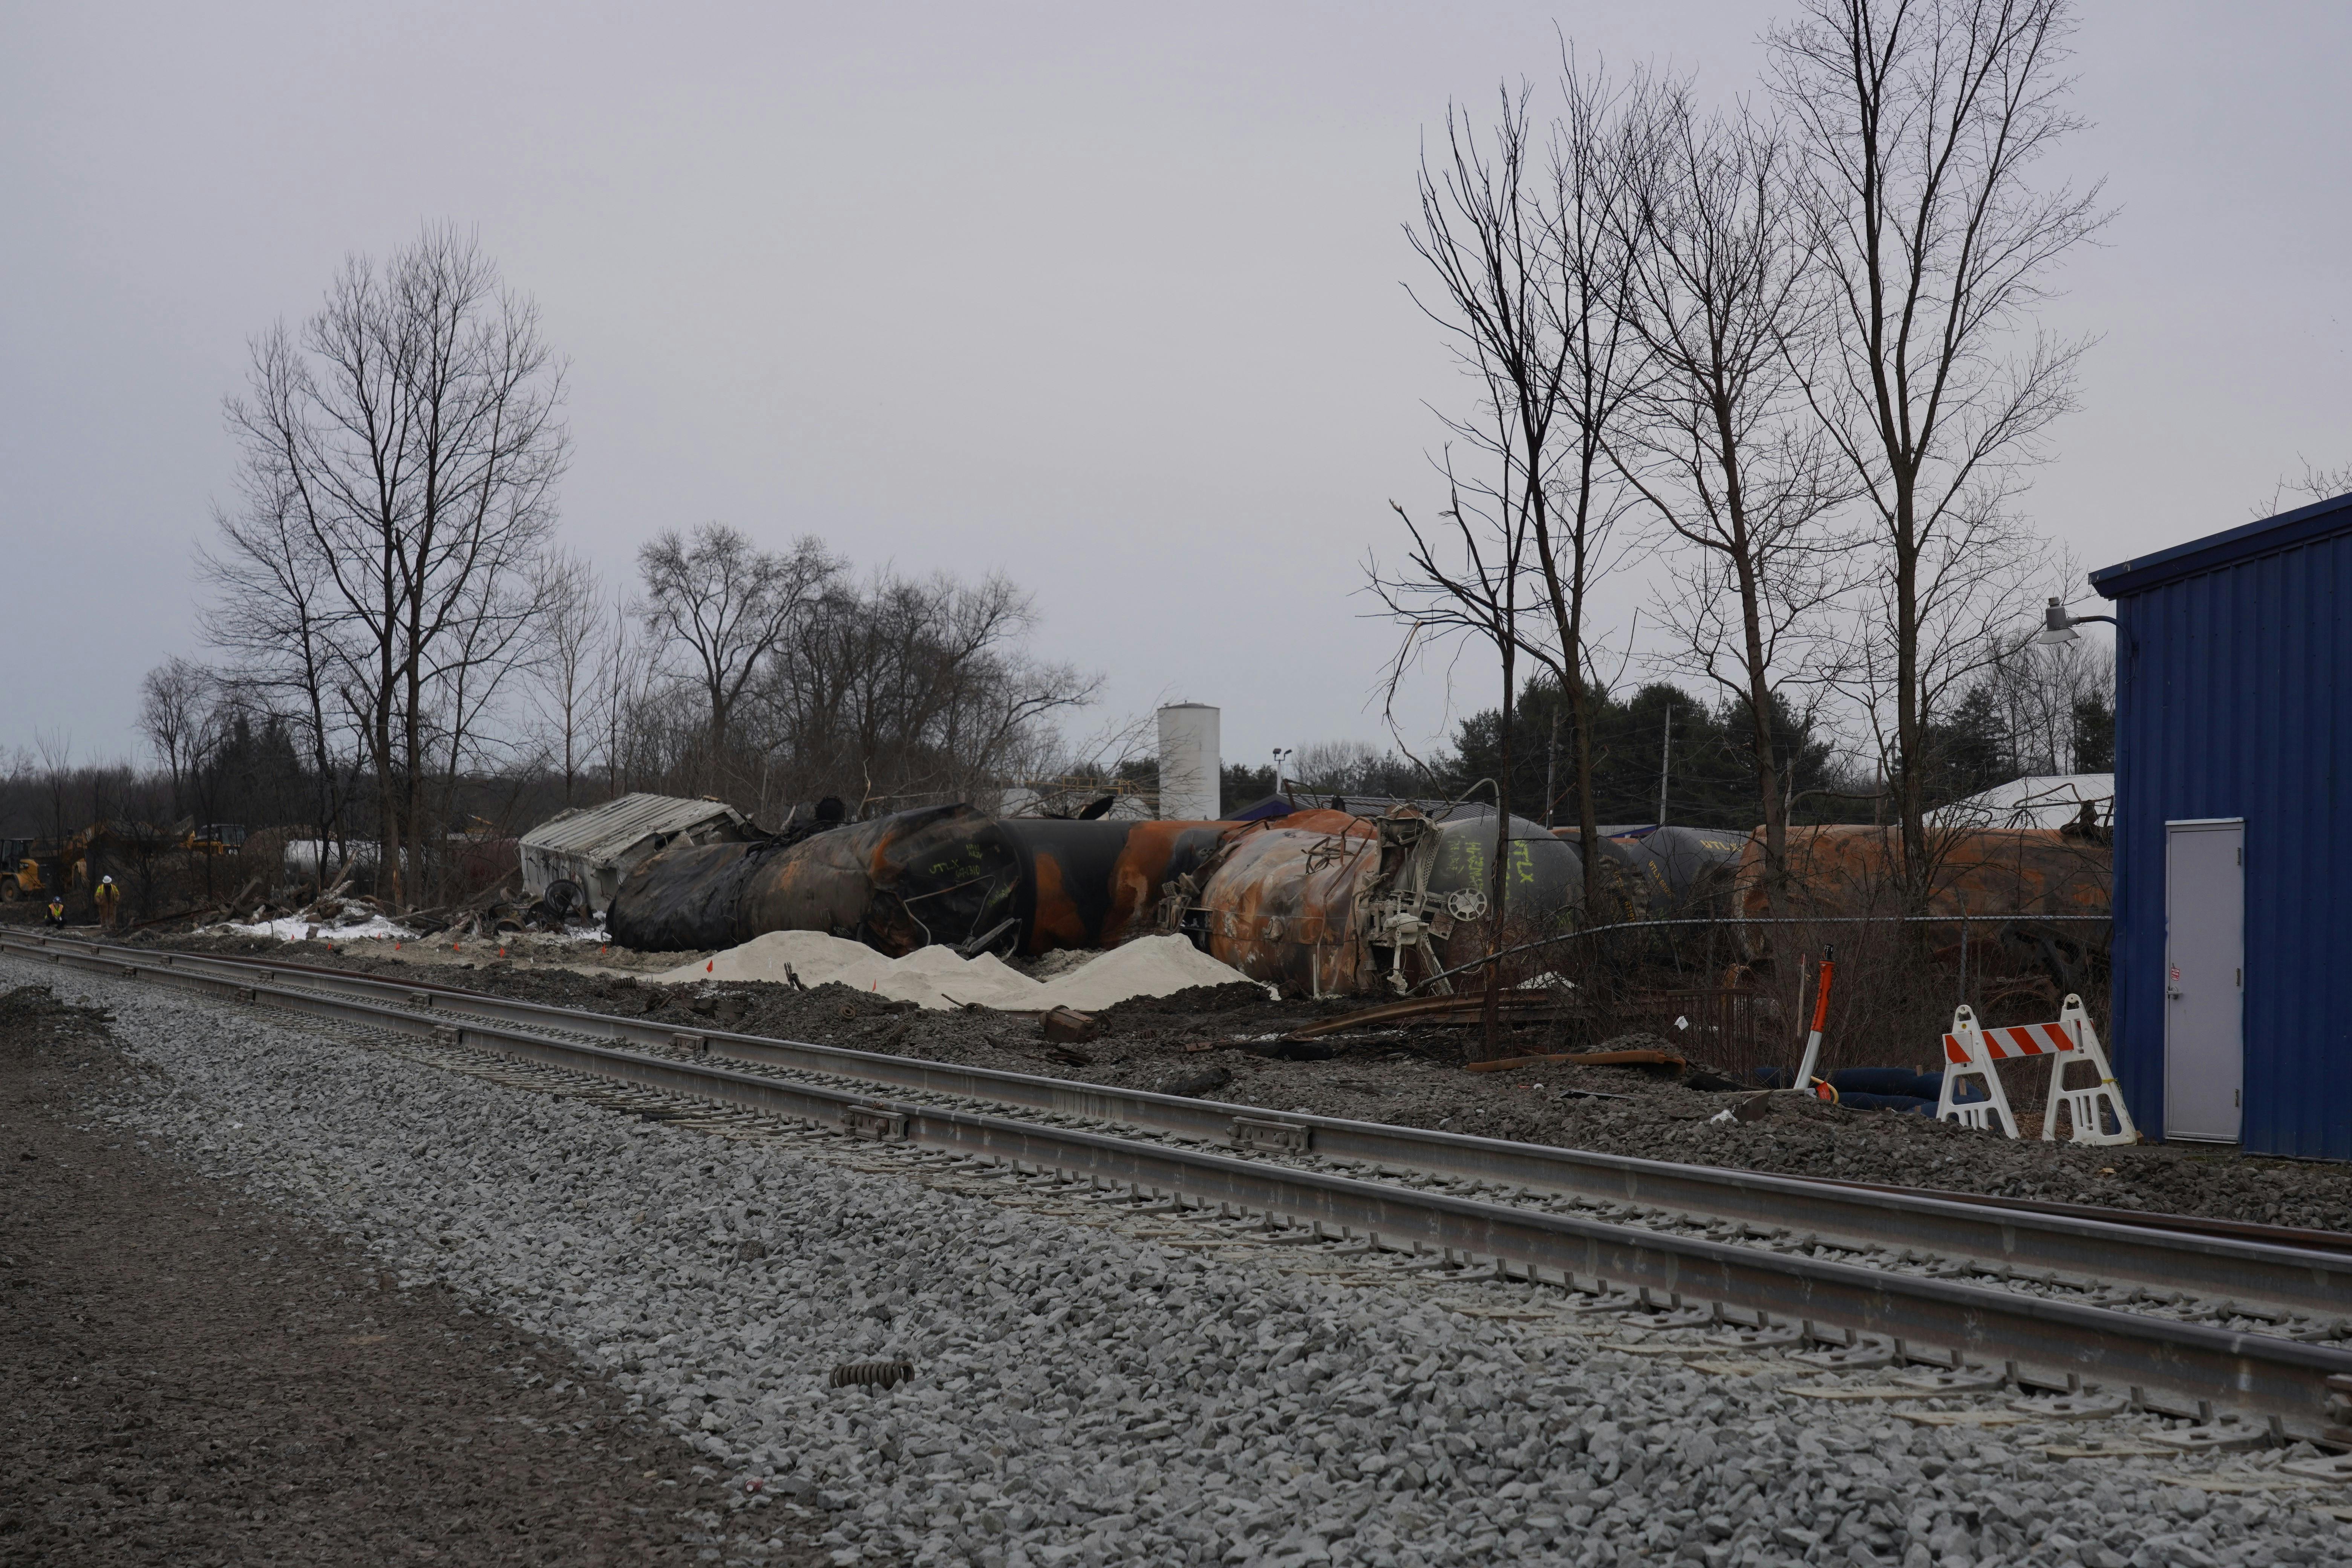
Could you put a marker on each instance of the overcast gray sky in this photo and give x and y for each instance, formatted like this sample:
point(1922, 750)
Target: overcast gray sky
point(1106, 296)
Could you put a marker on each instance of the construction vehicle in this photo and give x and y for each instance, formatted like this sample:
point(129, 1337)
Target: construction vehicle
point(215, 839)
point(20, 873)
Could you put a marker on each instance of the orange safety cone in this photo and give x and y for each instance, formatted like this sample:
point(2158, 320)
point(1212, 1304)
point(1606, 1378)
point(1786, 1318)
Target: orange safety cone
point(710, 966)
point(502, 953)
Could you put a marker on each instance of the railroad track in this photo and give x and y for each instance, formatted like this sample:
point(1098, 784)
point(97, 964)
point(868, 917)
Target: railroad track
point(1277, 1169)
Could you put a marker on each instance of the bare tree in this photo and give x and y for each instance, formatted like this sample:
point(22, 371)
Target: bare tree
point(272, 610)
point(495, 640)
point(174, 701)
point(621, 696)
point(1593, 242)
point(1334, 767)
point(1483, 235)
point(1920, 121)
point(2315, 484)
point(1461, 579)
point(575, 642)
point(909, 691)
point(1724, 448)
point(55, 749)
point(2039, 691)
point(411, 434)
point(716, 606)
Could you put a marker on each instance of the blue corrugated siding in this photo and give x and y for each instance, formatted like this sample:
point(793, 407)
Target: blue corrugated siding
point(2231, 690)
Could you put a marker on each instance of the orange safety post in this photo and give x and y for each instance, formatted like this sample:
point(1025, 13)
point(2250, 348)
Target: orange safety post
point(1820, 1020)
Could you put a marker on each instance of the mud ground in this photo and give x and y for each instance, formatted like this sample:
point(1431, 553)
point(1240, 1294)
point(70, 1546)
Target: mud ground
point(192, 1380)
point(1209, 1043)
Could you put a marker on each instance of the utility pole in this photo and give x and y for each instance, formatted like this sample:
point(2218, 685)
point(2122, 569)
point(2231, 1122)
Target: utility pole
point(1666, 755)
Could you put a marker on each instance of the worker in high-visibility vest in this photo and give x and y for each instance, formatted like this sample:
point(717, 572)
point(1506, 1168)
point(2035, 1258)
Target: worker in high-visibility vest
point(56, 915)
point(109, 898)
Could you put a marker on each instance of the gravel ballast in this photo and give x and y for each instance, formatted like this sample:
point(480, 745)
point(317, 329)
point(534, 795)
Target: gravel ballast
point(1085, 1393)
point(1415, 1079)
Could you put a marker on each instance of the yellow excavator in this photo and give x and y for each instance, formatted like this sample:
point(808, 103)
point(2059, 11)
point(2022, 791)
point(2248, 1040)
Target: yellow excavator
point(27, 871)
point(215, 838)
point(20, 874)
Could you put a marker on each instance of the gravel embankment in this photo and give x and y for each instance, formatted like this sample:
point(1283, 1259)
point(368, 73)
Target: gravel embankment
point(195, 1378)
point(1414, 1078)
point(1084, 1395)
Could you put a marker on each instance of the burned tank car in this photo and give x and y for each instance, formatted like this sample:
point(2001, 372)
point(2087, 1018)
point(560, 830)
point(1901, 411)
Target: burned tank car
point(1280, 901)
point(1543, 881)
point(1327, 903)
point(937, 875)
point(1686, 872)
point(945, 875)
point(1094, 884)
point(941, 874)
point(683, 898)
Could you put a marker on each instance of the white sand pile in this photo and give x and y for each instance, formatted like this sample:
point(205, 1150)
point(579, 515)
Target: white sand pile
point(935, 977)
point(1148, 966)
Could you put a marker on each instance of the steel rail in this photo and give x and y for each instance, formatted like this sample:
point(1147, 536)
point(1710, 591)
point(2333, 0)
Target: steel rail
point(2145, 1219)
point(1993, 1235)
point(882, 1066)
point(2170, 1366)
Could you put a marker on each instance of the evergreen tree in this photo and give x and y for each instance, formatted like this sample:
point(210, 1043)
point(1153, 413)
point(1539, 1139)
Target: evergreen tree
point(2094, 734)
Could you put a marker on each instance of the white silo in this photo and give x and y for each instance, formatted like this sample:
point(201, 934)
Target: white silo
point(1189, 767)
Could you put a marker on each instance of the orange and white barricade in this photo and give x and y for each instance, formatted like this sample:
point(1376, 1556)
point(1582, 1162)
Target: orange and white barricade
point(1970, 1052)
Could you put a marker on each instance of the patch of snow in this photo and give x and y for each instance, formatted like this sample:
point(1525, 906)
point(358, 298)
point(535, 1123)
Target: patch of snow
point(292, 928)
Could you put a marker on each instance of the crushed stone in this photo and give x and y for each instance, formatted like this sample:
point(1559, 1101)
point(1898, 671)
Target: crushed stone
point(1087, 1396)
point(1413, 1078)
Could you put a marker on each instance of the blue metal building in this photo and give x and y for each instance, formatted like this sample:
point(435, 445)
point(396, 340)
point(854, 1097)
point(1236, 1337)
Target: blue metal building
point(2233, 845)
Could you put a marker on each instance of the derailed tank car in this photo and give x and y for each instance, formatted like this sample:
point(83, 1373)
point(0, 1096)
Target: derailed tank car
point(945, 875)
point(1323, 903)
point(1319, 902)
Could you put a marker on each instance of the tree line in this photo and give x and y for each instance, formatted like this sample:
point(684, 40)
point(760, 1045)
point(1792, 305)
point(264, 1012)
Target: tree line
point(1789, 347)
point(401, 647)
point(1662, 754)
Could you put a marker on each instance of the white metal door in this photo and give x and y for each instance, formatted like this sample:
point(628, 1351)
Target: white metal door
point(2204, 979)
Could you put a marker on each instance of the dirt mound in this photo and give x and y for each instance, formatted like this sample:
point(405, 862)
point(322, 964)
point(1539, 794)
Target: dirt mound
point(39, 1007)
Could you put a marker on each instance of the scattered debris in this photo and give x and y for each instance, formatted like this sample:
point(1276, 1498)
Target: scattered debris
point(1285, 1048)
point(1195, 1085)
point(1642, 1059)
point(1068, 1026)
point(872, 1374)
point(1518, 1004)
